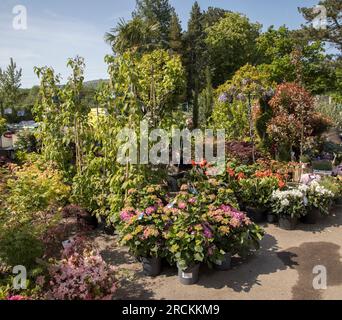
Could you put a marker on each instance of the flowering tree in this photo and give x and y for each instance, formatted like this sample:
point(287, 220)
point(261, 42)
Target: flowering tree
point(247, 85)
point(293, 109)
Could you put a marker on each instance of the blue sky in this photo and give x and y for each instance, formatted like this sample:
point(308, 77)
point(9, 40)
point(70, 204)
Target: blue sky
point(59, 29)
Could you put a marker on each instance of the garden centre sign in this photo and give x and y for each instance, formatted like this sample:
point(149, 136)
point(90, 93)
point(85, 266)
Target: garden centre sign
point(175, 147)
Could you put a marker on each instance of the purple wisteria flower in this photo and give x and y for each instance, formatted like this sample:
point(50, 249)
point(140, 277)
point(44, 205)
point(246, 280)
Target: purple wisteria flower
point(223, 97)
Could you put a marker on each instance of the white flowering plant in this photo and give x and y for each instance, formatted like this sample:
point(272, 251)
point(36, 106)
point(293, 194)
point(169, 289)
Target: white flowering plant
point(288, 203)
point(319, 197)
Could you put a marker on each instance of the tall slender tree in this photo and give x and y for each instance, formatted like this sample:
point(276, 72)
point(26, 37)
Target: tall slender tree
point(195, 48)
point(213, 15)
point(10, 82)
point(175, 36)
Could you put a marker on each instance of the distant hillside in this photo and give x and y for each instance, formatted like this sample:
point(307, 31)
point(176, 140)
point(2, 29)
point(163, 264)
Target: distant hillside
point(94, 83)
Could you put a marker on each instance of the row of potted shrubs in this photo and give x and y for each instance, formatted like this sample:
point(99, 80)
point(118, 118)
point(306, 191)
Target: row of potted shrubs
point(211, 219)
point(304, 202)
point(187, 230)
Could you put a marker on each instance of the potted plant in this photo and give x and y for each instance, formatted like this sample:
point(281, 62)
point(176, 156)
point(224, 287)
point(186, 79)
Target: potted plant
point(319, 200)
point(256, 193)
point(141, 228)
point(142, 233)
point(333, 184)
point(289, 206)
point(190, 240)
point(232, 230)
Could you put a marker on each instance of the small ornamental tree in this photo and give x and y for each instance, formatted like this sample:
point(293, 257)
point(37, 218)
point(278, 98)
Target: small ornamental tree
point(293, 109)
point(63, 116)
point(160, 81)
point(248, 85)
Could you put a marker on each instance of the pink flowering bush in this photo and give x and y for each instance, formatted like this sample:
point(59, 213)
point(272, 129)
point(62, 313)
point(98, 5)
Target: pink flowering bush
point(190, 239)
point(17, 298)
point(233, 230)
point(82, 274)
point(191, 228)
point(141, 224)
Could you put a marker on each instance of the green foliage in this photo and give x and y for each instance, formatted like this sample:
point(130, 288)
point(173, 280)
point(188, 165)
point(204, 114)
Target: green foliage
point(34, 195)
point(35, 188)
point(206, 101)
point(175, 35)
point(324, 165)
point(231, 44)
point(27, 141)
point(3, 126)
point(289, 57)
point(103, 183)
point(332, 184)
point(331, 110)
point(232, 117)
point(256, 192)
point(195, 58)
point(47, 111)
point(332, 34)
point(135, 35)
point(212, 15)
point(232, 106)
point(10, 82)
point(261, 123)
point(160, 82)
point(156, 12)
point(63, 117)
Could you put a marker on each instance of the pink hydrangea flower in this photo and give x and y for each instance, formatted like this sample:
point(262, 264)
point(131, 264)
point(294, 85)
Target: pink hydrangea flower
point(17, 298)
point(182, 205)
point(150, 210)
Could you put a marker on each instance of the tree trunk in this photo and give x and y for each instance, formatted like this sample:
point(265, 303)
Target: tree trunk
point(195, 106)
point(251, 127)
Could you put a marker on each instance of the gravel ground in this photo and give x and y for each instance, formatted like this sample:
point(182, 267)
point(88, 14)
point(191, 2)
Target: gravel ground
point(281, 269)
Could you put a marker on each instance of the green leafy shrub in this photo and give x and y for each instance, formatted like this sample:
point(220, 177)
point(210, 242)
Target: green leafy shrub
point(3, 126)
point(324, 165)
point(35, 193)
point(332, 184)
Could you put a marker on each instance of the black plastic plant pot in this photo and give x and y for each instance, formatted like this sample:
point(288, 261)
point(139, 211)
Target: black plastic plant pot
point(312, 217)
point(257, 215)
point(338, 201)
point(225, 264)
point(272, 218)
point(151, 266)
point(288, 223)
point(189, 276)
